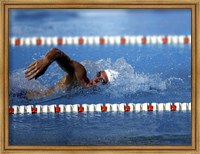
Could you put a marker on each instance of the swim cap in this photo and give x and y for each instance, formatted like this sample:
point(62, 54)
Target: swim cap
point(111, 74)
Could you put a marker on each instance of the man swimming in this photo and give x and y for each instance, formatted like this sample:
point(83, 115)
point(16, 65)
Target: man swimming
point(76, 73)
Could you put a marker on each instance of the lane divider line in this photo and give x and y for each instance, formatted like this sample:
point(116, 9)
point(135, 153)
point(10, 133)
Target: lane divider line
point(123, 107)
point(98, 40)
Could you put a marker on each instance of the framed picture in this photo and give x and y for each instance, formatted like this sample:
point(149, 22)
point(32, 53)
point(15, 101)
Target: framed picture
point(105, 77)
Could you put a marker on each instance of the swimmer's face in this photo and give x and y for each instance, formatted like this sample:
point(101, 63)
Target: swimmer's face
point(100, 78)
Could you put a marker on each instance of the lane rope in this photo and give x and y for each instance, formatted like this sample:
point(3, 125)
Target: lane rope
point(123, 107)
point(97, 40)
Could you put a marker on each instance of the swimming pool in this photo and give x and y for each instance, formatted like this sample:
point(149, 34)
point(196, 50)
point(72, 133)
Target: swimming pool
point(148, 73)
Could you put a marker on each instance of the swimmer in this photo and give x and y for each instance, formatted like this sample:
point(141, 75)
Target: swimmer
point(76, 73)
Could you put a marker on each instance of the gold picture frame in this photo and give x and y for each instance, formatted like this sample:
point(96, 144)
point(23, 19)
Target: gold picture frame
point(194, 5)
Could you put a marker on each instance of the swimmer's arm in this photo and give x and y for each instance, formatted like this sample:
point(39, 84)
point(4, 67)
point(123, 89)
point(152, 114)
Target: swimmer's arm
point(74, 69)
point(63, 60)
point(39, 67)
point(80, 74)
point(61, 84)
point(48, 92)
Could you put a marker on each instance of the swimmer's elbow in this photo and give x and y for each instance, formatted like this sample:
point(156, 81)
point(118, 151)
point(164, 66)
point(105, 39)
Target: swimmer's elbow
point(54, 49)
point(53, 54)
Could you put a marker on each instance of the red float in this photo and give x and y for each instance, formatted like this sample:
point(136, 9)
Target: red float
point(164, 40)
point(57, 109)
point(144, 40)
point(60, 41)
point(102, 41)
point(150, 108)
point(38, 41)
point(127, 108)
point(34, 110)
point(17, 42)
point(123, 40)
point(80, 109)
point(103, 108)
point(80, 40)
point(11, 110)
point(186, 40)
point(173, 107)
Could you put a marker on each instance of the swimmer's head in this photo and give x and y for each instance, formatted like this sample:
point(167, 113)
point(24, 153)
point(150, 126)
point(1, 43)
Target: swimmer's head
point(103, 77)
point(111, 75)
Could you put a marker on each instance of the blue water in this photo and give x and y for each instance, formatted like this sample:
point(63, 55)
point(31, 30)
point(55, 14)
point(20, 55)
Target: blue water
point(111, 128)
point(147, 73)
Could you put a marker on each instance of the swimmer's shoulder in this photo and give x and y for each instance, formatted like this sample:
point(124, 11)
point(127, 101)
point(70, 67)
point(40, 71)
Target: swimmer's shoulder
point(77, 64)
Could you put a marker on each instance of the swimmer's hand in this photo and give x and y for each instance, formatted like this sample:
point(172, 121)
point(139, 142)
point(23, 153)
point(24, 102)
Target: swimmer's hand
point(37, 68)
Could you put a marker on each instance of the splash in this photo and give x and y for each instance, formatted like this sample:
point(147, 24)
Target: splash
point(128, 82)
point(18, 81)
